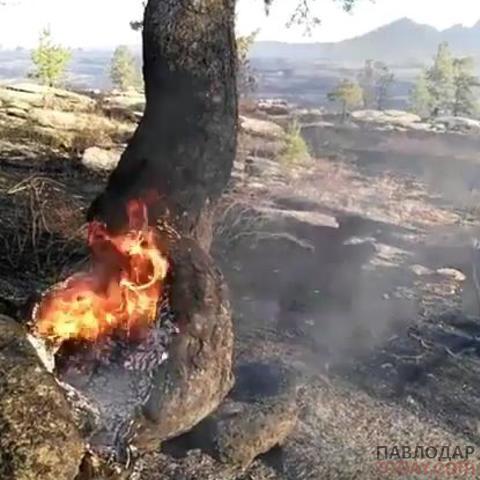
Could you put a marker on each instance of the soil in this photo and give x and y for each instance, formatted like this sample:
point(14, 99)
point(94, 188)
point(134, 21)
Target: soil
point(354, 271)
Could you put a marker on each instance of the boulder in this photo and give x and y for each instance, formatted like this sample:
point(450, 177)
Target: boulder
point(258, 415)
point(261, 128)
point(100, 160)
point(452, 273)
point(38, 438)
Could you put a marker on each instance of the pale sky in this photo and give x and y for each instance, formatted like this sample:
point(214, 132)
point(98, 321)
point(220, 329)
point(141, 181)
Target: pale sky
point(105, 23)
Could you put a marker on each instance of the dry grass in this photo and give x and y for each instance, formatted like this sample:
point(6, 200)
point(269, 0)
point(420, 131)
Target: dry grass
point(296, 151)
point(236, 218)
point(41, 229)
point(90, 130)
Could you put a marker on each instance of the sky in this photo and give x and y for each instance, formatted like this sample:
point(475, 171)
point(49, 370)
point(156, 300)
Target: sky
point(105, 23)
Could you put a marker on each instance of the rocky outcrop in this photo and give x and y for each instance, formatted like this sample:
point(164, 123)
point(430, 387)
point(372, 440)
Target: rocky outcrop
point(30, 95)
point(58, 118)
point(462, 124)
point(100, 160)
point(392, 117)
point(38, 438)
point(261, 128)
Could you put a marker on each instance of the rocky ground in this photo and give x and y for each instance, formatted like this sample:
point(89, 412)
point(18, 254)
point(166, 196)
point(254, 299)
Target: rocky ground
point(351, 276)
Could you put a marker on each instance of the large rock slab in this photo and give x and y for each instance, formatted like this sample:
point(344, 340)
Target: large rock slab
point(31, 95)
point(391, 117)
point(38, 438)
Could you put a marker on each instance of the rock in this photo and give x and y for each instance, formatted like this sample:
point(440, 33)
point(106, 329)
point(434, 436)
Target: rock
point(30, 95)
point(258, 415)
point(259, 167)
point(129, 105)
point(420, 270)
point(100, 160)
point(459, 123)
point(457, 275)
point(261, 147)
point(71, 121)
point(245, 430)
point(389, 117)
point(274, 107)
point(261, 128)
point(38, 438)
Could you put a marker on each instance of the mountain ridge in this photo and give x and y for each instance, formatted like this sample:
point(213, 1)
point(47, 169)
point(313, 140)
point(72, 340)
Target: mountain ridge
point(402, 40)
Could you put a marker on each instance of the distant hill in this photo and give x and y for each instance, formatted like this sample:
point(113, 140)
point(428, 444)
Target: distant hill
point(402, 41)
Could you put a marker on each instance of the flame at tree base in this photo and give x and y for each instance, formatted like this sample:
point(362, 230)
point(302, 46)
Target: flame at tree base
point(119, 293)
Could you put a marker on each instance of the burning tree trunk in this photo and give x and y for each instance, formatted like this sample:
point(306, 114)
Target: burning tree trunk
point(185, 145)
point(111, 339)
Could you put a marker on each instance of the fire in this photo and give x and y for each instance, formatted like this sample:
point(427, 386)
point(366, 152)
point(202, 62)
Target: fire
point(119, 293)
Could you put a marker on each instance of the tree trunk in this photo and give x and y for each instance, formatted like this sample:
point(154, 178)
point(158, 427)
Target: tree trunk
point(185, 144)
point(183, 150)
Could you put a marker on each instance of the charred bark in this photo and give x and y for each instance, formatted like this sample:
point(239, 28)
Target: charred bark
point(185, 144)
point(183, 150)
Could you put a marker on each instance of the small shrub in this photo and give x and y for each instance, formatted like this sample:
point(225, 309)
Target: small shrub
point(296, 151)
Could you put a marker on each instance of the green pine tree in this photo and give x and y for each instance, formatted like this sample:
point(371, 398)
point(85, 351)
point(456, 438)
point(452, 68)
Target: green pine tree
point(441, 81)
point(50, 60)
point(465, 82)
point(420, 98)
point(124, 70)
point(349, 94)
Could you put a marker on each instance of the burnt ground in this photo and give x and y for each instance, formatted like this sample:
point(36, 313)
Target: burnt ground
point(354, 271)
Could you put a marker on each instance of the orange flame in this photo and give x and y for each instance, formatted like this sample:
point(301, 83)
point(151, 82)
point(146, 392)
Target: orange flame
point(119, 293)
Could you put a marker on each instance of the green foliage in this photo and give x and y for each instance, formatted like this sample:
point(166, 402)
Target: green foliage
point(349, 94)
point(441, 80)
point(245, 77)
point(420, 98)
point(124, 70)
point(464, 99)
point(376, 80)
point(296, 150)
point(50, 60)
point(447, 87)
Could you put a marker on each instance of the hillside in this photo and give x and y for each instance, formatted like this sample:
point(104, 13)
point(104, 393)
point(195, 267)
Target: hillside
point(402, 41)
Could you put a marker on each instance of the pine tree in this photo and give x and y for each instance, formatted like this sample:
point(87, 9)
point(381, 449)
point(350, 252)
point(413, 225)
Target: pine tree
point(124, 70)
point(420, 98)
point(464, 101)
point(349, 94)
point(441, 81)
point(50, 60)
point(376, 80)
